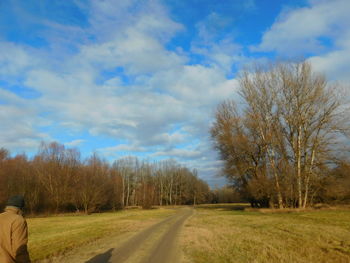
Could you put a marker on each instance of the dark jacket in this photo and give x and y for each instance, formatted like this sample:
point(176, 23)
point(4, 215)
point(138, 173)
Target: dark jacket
point(13, 237)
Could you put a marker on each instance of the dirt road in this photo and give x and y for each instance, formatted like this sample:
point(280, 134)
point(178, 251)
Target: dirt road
point(156, 244)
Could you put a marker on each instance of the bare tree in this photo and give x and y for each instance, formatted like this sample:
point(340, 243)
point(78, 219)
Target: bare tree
point(91, 187)
point(289, 128)
point(54, 166)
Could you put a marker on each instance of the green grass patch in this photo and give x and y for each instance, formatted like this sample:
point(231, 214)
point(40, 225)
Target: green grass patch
point(51, 236)
point(219, 234)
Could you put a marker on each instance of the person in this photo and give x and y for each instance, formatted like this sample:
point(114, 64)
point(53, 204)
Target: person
point(13, 232)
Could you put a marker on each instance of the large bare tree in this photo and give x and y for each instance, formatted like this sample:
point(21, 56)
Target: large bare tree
point(285, 132)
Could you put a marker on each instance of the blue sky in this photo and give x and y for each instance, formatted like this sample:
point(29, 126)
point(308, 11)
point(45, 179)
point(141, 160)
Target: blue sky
point(144, 78)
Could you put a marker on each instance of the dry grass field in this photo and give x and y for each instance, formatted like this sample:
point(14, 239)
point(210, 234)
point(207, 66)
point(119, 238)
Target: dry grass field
point(213, 234)
point(50, 236)
point(223, 233)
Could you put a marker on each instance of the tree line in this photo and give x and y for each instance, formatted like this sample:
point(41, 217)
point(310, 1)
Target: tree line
point(56, 179)
point(284, 140)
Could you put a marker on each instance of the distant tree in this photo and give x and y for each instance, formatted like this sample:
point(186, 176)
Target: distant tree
point(335, 186)
point(92, 186)
point(225, 194)
point(117, 198)
point(55, 167)
point(4, 156)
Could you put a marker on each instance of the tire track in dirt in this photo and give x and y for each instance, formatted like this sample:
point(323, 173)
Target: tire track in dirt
point(166, 250)
point(162, 251)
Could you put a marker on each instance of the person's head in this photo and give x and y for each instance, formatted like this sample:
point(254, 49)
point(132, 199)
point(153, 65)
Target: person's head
point(16, 201)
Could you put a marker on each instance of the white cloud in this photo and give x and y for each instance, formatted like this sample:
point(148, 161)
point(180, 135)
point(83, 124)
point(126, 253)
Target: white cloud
point(122, 148)
point(223, 54)
point(179, 153)
point(14, 59)
point(75, 143)
point(335, 64)
point(217, 49)
point(301, 30)
point(136, 52)
point(150, 17)
point(195, 83)
point(18, 118)
point(211, 26)
point(322, 29)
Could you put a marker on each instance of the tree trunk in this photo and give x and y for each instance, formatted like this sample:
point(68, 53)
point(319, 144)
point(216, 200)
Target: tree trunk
point(123, 191)
point(299, 167)
point(271, 156)
point(161, 193)
point(307, 181)
point(170, 192)
point(128, 192)
point(277, 184)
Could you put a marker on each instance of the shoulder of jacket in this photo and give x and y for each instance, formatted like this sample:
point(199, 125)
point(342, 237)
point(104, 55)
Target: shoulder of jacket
point(11, 219)
point(17, 219)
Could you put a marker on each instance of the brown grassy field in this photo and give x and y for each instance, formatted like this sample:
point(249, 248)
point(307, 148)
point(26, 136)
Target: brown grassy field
point(223, 233)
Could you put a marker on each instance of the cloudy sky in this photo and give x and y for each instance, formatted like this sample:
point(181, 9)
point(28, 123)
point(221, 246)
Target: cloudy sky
point(143, 78)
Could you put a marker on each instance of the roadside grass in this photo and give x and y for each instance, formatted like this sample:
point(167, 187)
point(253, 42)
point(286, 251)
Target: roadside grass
point(224, 233)
point(51, 236)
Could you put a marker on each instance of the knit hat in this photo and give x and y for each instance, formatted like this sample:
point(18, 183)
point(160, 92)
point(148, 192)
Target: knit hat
point(17, 201)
